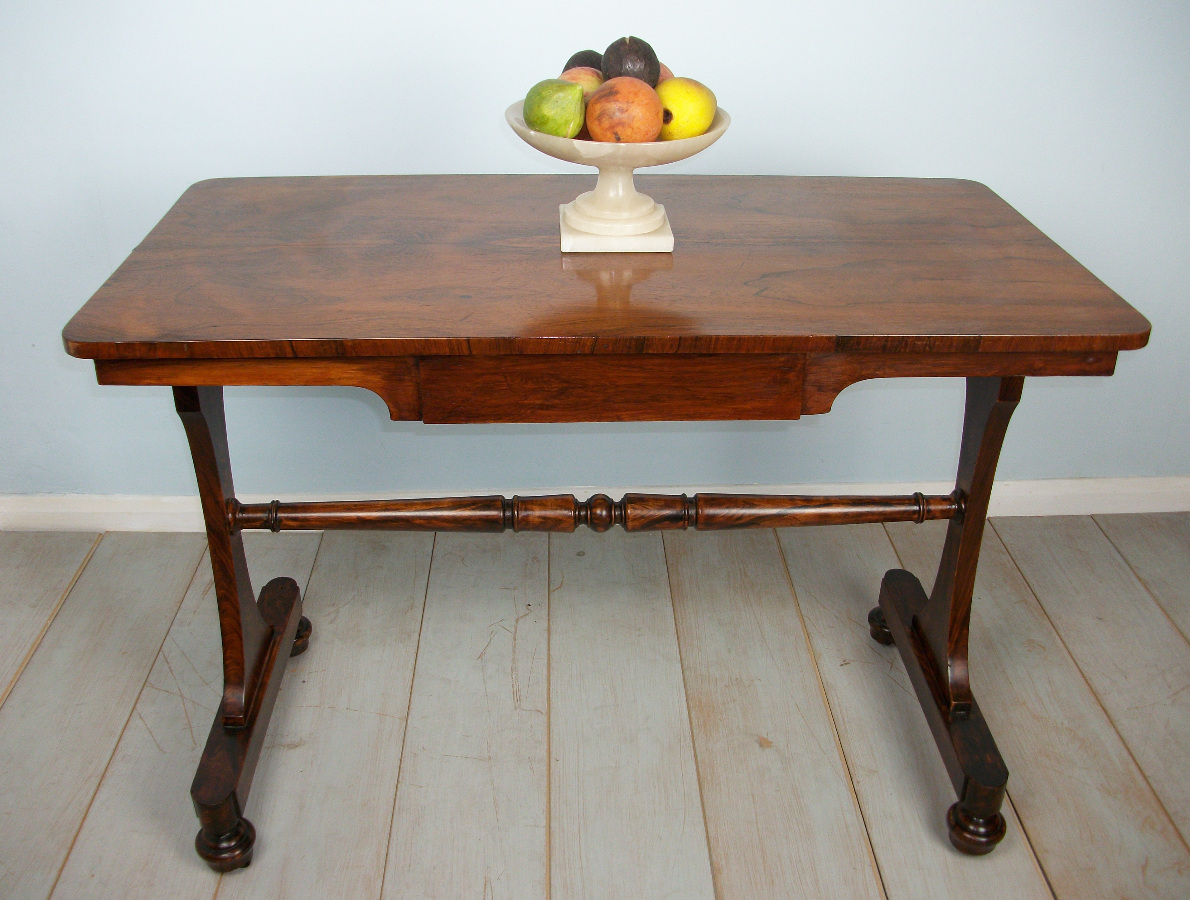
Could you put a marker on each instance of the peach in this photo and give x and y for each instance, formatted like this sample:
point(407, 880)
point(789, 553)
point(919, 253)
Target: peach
point(624, 110)
point(591, 79)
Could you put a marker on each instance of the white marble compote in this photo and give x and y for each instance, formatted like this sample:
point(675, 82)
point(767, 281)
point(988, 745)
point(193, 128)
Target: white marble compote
point(615, 217)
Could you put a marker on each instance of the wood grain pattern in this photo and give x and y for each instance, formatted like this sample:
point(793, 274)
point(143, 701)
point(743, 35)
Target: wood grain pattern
point(399, 266)
point(139, 798)
point(73, 699)
point(1136, 661)
point(325, 805)
point(332, 798)
point(977, 771)
point(944, 622)
point(626, 820)
point(1099, 838)
point(472, 807)
point(827, 374)
point(565, 512)
point(246, 635)
point(781, 817)
point(931, 631)
point(901, 786)
point(37, 570)
point(786, 291)
point(1157, 547)
point(1074, 784)
point(610, 388)
point(393, 379)
point(764, 387)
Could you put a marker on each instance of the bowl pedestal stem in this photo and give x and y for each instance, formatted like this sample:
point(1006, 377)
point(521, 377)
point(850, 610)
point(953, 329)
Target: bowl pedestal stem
point(615, 218)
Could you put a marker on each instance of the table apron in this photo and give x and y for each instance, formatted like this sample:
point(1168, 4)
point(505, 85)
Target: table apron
point(594, 387)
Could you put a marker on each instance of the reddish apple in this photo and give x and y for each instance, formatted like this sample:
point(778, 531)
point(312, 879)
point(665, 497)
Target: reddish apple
point(665, 73)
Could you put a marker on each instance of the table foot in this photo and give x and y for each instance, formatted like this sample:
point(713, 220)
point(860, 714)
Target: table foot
point(974, 835)
point(224, 776)
point(964, 740)
point(878, 627)
point(226, 852)
point(301, 640)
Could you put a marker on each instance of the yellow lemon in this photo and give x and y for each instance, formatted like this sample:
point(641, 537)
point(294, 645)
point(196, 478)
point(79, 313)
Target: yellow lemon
point(688, 106)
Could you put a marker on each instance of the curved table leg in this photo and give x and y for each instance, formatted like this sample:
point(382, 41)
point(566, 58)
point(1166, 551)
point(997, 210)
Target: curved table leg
point(931, 632)
point(259, 636)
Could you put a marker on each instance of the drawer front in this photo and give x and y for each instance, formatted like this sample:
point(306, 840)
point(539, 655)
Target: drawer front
point(611, 388)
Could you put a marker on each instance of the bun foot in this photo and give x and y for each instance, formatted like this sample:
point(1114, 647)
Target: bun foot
point(878, 628)
point(974, 835)
point(226, 852)
point(301, 640)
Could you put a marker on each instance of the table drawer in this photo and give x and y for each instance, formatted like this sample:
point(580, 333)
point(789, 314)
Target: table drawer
point(611, 388)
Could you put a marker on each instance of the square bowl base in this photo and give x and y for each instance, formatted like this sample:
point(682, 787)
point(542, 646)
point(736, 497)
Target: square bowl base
point(660, 240)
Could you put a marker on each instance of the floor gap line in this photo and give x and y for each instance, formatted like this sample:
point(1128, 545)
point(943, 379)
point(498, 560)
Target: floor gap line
point(408, 715)
point(50, 618)
point(830, 715)
point(127, 719)
point(1142, 582)
point(1091, 688)
point(549, 717)
point(1028, 840)
point(706, 825)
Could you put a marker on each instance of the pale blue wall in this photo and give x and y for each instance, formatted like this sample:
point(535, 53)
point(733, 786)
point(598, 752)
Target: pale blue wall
point(1078, 114)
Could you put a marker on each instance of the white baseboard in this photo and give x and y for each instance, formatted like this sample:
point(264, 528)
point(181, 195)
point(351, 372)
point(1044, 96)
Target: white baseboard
point(1048, 497)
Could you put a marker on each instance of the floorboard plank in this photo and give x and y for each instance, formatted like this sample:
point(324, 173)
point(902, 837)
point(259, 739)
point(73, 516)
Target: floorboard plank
point(626, 814)
point(138, 837)
point(1136, 661)
point(781, 816)
point(472, 802)
point(626, 818)
point(1157, 547)
point(1073, 782)
point(900, 780)
point(37, 569)
point(323, 798)
point(75, 696)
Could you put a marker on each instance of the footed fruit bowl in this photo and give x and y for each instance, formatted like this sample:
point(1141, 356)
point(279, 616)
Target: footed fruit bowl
point(615, 217)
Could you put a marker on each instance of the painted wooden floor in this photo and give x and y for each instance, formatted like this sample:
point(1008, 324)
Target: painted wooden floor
point(600, 716)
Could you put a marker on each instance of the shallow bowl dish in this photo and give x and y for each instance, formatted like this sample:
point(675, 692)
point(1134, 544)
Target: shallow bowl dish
point(615, 217)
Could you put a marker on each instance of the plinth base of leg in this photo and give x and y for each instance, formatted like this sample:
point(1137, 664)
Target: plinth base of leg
point(301, 640)
point(226, 852)
point(964, 741)
point(878, 627)
point(224, 777)
point(972, 834)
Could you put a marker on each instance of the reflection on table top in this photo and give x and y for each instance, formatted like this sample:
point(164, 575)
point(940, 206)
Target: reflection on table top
point(432, 265)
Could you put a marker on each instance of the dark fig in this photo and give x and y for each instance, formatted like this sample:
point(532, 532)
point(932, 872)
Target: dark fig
point(591, 58)
point(632, 58)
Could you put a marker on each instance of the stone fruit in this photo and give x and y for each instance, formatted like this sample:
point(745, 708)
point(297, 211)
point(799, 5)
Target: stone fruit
point(555, 107)
point(665, 75)
point(588, 77)
point(625, 110)
point(688, 108)
point(633, 58)
point(592, 58)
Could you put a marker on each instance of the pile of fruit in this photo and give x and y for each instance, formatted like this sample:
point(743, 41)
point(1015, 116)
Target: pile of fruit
point(624, 94)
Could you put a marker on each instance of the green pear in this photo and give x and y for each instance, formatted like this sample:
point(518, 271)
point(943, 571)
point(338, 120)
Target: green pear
point(555, 107)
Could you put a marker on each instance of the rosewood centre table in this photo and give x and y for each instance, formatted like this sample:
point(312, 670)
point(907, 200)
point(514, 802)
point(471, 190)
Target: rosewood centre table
point(447, 296)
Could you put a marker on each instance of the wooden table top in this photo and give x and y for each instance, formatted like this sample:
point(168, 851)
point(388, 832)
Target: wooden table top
point(330, 267)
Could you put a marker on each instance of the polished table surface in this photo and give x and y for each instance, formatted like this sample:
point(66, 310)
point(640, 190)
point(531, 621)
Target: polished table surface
point(426, 289)
point(447, 296)
point(315, 267)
